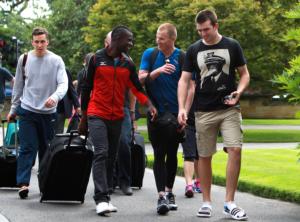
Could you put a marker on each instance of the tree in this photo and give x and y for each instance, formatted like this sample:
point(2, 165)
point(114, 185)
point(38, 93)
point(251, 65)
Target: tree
point(289, 80)
point(257, 25)
point(142, 17)
point(16, 6)
point(64, 25)
point(13, 31)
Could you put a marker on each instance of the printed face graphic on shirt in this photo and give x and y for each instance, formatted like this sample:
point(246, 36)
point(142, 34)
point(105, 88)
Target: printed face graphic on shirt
point(213, 64)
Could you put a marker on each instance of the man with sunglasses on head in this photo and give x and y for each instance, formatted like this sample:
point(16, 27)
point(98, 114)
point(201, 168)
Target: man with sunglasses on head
point(40, 82)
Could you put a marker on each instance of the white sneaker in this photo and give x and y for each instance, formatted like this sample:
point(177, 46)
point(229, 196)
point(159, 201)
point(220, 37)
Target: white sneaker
point(112, 208)
point(102, 208)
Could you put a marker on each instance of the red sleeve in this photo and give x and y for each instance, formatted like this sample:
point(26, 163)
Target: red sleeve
point(140, 95)
point(135, 85)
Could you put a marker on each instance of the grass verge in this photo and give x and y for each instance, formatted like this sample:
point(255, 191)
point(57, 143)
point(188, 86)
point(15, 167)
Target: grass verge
point(270, 173)
point(295, 122)
point(271, 121)
point(142, 122)
point(260, 136)
point(271, 136)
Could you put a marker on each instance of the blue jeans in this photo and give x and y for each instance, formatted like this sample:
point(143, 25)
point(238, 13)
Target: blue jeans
point(35, 133)
point(124, 154)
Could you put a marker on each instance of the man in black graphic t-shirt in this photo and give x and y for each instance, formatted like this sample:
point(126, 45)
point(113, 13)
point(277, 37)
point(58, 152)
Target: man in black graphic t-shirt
point(215, 59)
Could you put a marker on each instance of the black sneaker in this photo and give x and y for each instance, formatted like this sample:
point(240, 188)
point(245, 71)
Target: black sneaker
point(127, 190)
point(171, 199)
point(162, 205)
point(23, 192)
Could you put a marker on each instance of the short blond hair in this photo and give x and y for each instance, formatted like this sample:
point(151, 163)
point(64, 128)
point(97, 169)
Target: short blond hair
point(170, 28)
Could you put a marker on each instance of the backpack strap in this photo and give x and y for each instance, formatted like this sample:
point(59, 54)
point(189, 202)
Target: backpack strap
point(23, 65)
point(181, 59)
point(153, 56)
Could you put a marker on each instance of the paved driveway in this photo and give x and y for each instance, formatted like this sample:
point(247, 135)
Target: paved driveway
point(140, 207)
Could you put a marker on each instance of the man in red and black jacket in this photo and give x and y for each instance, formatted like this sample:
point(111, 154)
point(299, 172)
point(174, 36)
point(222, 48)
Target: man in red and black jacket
point(110, 73)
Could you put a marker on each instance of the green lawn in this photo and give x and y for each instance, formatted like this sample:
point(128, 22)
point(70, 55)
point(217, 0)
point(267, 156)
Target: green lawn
point(271, 136)
point(260, 136)
point(142, 122)
point(271, 122)
point(272, 173)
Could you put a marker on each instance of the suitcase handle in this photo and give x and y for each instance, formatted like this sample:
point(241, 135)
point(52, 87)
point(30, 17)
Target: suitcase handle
point(75, 133)
point(71, 135)
point(5, 120)
point(132, 132)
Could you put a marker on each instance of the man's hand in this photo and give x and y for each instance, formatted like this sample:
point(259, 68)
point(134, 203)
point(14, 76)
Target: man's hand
point(82, 126)
point(50, 103)
point(132, 115)
point(153, 112)
point(78, 110)
point(234, 98)
point(12, 82)
point(182, 118)
point(167, 68)
point(11, 117)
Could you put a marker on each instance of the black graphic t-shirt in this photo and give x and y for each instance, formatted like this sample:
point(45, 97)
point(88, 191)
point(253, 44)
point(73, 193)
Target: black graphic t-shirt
point(215, 67)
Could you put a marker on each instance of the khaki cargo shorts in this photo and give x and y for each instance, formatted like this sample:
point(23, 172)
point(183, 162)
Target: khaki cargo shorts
point(208, 125)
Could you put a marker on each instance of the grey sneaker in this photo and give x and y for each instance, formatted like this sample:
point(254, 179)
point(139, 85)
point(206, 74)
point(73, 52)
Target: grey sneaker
point(171, 198)
point(162, 205)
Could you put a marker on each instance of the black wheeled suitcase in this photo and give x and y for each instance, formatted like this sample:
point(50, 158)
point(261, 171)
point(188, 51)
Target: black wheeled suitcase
point(138, 161)
point(65, 169)
point(8, 160)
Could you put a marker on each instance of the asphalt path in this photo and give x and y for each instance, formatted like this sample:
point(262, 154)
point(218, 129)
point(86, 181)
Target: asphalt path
point(141, 206)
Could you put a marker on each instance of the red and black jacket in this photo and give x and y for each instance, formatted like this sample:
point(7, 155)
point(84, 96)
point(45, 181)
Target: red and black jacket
point(103, 91)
